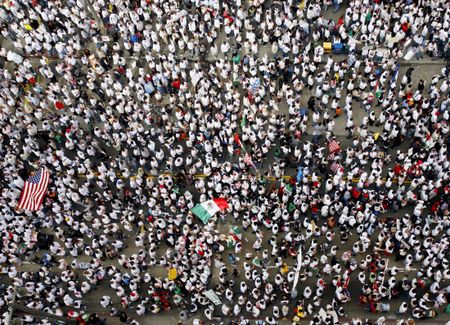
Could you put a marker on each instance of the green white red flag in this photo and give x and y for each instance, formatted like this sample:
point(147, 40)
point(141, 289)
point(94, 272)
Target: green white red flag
point(206, 210)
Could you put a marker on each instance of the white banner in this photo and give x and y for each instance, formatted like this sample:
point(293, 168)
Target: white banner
point(212, 295)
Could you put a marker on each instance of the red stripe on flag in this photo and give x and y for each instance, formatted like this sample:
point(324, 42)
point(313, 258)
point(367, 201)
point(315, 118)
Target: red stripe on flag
point(221, 203)
point(335, 167)
point(41, 198)
point(21, 198)
point(333, 146)
point(24, 196)
point(44, 188)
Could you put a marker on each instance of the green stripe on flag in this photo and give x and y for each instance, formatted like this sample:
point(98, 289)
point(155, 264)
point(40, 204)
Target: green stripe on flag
point(201, 213)
point(243, 121)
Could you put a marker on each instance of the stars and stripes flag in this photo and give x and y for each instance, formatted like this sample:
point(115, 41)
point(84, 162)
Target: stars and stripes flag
point(333, 146)
point(331, 156)
point(335, 167)
point(34, 190)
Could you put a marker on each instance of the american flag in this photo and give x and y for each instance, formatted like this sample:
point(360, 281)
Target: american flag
point(333, 146)
point(331, 156)
point(335, 167)
point(34, 190)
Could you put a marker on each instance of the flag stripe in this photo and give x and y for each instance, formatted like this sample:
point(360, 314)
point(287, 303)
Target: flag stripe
point(221, 203)
point(201, 213)
point(335, 167)
point(210, 207)
point(333, 146)
point(22, 195)
point(44, 192)
point(27, 193)
point(24, 201)
point(33, 197)
point(29, 197)
point(39, 195)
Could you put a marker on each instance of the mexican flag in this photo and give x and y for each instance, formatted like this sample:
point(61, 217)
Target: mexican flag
point(377, 90)
point(204, 211)
point(235, 232)
point(234, 236)
point(243, 121)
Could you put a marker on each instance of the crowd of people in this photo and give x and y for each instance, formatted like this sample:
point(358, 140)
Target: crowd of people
point(140, 110)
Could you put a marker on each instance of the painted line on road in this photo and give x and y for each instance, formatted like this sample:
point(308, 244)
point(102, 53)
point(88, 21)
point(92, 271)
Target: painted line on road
point(204, 176)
